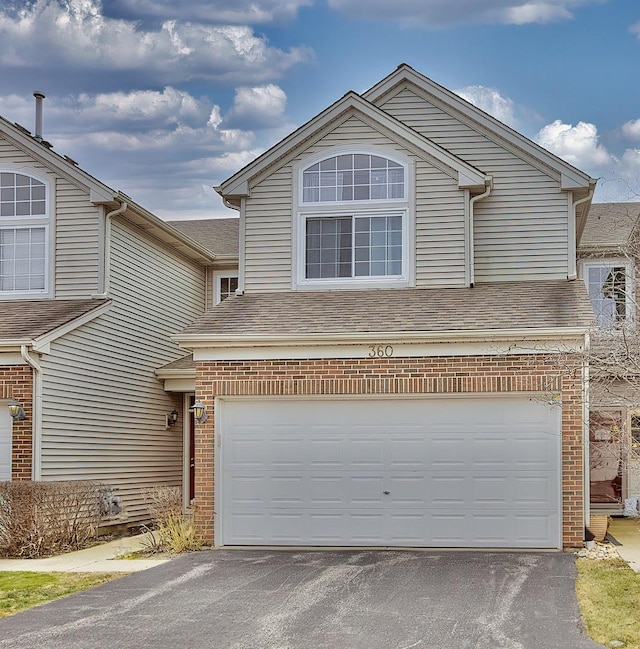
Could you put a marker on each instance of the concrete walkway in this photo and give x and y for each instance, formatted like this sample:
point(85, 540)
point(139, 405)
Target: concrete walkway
point(99, 558)
point(624, 533)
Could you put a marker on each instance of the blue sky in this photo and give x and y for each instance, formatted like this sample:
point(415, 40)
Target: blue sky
point(163, 99)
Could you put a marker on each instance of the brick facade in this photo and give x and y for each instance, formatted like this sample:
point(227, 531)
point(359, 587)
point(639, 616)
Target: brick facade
point(386, 376)
point(16, 383)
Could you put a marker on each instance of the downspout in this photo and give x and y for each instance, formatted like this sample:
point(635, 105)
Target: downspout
point(36, 408)
point(238, 208)
point(106, 277)
point(573, 244)
point(472, 273)
point(586, 464)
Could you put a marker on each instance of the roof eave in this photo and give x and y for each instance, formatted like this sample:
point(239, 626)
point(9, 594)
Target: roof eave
point(198, 341)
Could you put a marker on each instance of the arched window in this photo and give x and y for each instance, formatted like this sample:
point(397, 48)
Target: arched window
point(353, 221)
point(353, 177)
point(23, 233)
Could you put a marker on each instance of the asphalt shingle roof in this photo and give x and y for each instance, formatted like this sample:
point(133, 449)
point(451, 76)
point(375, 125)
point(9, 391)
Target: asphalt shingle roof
point(500, 305)
point(220, 236)
point(29, 319)
point(609, 225)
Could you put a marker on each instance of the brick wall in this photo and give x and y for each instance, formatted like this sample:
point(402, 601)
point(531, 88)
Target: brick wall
point(436, 375)
point(16, 383)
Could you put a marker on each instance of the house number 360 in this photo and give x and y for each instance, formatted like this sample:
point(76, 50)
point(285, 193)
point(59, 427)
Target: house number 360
point(380, 351)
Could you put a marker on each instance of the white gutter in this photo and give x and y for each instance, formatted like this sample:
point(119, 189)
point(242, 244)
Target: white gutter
point(36, 409)
point(572, 269)
point(472, 265)
point(106, 269)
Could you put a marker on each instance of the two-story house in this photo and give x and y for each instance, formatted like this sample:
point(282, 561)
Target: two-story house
point(609, 263)
point(386, 373)
point(92, 287)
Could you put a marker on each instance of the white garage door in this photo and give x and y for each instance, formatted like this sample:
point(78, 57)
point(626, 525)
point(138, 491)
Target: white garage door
point(450, 472)
point(5, 442)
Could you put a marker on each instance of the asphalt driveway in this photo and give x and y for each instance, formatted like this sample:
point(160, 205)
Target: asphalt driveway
point(319, 600)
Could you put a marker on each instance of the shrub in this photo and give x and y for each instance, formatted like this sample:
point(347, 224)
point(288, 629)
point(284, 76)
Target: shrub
point(38, 519)
point(174, 532)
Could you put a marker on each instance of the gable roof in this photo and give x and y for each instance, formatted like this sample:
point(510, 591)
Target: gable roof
point(571, 177)
point(610, 225)
point(27, 321)
point(238, 184)
point(101, 194)
point(498, 306)
point(219, 236)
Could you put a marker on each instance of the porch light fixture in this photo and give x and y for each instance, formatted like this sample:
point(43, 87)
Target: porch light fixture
point(16, 410)
point(199, 411)
point(172, 418)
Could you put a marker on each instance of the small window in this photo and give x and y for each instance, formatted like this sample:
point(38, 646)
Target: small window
point(609, 289)
point(226, 286)
point(23, 234)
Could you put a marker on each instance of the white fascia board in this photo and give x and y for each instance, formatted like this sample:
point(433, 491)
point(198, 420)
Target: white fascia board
point(42, 343)
point(238, 185)
point(102, 198)
point(184, 373)
point(13, 357)
point(199, 341)
point(14, 344)
point(574, 177)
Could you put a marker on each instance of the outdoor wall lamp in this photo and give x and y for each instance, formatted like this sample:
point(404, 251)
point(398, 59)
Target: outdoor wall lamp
point(199, 411)
point(16, 410)
point(172, 418)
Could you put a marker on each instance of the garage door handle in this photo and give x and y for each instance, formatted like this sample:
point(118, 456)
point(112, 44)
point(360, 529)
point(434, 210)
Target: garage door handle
point(386, 493)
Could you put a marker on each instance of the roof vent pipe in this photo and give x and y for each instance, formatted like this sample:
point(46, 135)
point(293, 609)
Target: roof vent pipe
point(39, 95)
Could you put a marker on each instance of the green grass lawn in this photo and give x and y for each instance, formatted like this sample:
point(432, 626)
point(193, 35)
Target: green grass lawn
point(609, 596)
point(21, 590)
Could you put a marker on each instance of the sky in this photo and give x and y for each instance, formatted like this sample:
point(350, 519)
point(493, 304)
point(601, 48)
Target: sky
point(165, 99)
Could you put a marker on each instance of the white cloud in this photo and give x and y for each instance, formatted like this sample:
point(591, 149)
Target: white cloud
point(260, 106)
point(631, 129)
point(579, 145)
point(165, 149)
point(249, 12)
point(443, 13)
point(491, 101)
point(635, 29)
point(79, 37)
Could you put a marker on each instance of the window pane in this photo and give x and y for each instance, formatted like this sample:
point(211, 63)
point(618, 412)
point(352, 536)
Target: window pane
point(374, 175)
point(608, 292)
point(22, 259)
point(328, 247)
point(328, 194)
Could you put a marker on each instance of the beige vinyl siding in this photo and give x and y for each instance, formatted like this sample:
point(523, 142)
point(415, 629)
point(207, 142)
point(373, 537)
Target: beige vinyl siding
point(77, 242)
point(521, 228)
point(104, 413)
point(440, 229)
point(439, 213)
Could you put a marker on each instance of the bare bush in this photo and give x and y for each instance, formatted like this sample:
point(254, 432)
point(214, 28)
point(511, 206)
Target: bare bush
point(174, 532)
point(38, 519)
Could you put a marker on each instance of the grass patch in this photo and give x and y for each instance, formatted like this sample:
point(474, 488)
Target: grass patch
point(22, 590)
point(609, 596)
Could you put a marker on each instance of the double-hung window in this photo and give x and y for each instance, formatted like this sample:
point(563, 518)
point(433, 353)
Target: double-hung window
point(24, 223)
point(609, 285)
point(353, 221)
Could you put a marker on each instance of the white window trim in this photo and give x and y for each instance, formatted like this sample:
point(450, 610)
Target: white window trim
point(377, 207)
point(217, 288)
point(614, 261)
point(47, 221)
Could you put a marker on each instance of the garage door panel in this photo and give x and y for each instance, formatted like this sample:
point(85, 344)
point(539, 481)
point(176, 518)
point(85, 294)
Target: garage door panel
point(458, 472)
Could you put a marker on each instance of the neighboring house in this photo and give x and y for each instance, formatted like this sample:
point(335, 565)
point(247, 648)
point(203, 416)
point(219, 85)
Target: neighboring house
point(92, 287)
point(609, 262)
point(387, 371)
